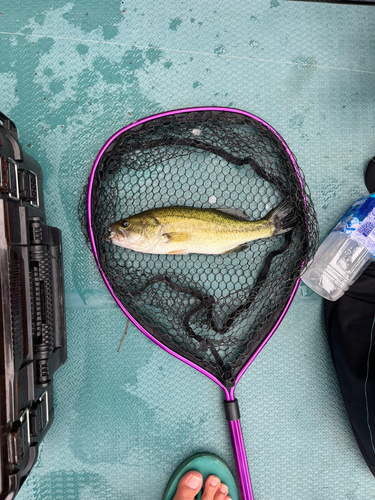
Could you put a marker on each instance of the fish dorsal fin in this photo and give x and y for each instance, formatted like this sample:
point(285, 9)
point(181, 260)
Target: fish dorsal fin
point(236, 214)
point(176, 237)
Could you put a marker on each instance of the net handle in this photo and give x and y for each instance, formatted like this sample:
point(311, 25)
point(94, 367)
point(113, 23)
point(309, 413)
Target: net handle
point(243, 475)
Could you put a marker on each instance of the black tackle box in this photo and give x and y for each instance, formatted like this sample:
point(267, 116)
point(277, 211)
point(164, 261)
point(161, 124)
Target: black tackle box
point(32, 312)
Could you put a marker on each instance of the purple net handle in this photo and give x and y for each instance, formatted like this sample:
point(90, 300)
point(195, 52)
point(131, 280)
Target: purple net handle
point(233, 416)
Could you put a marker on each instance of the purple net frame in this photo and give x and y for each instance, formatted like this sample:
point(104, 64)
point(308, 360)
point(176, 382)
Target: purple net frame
point(234, 425)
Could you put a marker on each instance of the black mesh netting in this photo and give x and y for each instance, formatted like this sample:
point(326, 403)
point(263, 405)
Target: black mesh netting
point(214, 310)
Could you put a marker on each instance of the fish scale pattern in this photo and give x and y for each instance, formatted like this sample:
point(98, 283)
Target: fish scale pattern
point(214, 310)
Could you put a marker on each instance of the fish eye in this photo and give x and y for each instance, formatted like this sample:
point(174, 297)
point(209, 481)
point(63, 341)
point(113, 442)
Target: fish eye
point(125, 224)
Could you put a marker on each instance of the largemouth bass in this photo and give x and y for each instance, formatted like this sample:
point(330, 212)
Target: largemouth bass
point(183, 230)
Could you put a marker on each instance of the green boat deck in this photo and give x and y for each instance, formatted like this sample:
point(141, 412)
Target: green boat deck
point(71, 74)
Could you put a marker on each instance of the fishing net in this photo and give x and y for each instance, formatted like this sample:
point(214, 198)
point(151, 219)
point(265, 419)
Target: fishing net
point(213, 310)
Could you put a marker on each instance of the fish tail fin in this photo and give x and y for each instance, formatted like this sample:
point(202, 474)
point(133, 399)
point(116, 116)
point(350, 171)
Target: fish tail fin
point(282, 218)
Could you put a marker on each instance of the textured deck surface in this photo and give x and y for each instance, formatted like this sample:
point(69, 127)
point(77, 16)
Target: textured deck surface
point(71, 74)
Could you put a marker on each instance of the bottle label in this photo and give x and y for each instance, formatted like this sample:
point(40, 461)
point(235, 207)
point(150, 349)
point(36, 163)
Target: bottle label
point(359, 223)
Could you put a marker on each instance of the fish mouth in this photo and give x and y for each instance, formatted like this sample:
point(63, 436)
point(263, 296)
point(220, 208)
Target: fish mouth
point(113, 234)
point(109, 236)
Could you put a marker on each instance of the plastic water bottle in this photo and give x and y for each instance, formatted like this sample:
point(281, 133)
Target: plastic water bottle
point(345, 253)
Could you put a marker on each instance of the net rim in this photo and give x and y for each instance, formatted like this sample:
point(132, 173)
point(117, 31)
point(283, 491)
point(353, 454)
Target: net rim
point(229, 394)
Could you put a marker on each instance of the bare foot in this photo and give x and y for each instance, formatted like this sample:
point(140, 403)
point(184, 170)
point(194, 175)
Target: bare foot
point(191, 483)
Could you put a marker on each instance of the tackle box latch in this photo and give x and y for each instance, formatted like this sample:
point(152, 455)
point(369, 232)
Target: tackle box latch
point(39, 415)
point(19, 439)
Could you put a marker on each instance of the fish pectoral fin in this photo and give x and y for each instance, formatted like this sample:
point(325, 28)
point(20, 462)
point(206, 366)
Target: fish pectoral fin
point(176, 237)
point(237, 249)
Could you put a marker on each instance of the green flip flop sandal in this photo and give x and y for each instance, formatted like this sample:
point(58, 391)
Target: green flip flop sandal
point(206, 464)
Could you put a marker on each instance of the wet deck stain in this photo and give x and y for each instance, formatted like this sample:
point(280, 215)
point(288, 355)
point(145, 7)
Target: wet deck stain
point(220, 49)
point(175, 23)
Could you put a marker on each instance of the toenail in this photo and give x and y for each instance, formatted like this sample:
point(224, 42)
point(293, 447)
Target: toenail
point(214, 481)
point(223, 489)
point(193, 482)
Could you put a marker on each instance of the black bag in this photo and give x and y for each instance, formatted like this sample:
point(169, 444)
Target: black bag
point(351, 335)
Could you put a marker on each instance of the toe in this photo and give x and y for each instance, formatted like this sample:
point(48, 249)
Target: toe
point(211, 486)
point(189, 486)
point(221, 493)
